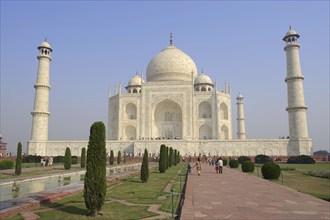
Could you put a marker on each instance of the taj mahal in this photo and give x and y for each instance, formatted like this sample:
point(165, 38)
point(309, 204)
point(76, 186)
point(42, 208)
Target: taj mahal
point(177, 106)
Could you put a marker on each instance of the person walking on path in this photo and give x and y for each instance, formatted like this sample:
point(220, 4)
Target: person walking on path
point(198, 166)
point(220, 162)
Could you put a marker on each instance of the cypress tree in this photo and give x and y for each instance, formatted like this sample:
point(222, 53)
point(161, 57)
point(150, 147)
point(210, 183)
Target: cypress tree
point(67, 159)
point(111, 159)
point(119, 157)
point(162, 162)
point(178, 159)
point(18, 166)
point(83, 158)
point(170, 159)
point(124, 157)
point(95, 178)
point(145, 167)
point(175, 161)
point(166, 157)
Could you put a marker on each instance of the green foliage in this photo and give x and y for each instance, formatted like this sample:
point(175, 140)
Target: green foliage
point(241, 159)
point(233, 164)
point(124, 157)
point(318, 173)
point(248, 166)
point(225, 162)
point(83, 158)
point(167, 157)
point(321, 153)
point(162, 159)
point(6, 164)
point(175, 160)
point(58, 159)
point(31, 159)
point(18, 166)
point(74, 160)
point(67, 159)
point(178, 157)
point(170, 158)
point(145, 168)
point(119, 157)
point(261, 158)
point(302, 159)
point(112, 158)
point(271, 170)
point(95, 177)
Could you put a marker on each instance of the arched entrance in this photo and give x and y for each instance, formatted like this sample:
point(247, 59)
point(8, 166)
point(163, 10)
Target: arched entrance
point(167, 120)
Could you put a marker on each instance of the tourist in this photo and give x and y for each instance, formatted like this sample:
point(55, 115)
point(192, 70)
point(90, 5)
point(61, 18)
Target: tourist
point(217, 166)
point(198, 166)
point(189, 168)
point(220, 165)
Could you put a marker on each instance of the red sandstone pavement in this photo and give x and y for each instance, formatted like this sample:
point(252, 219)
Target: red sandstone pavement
point(237, 195)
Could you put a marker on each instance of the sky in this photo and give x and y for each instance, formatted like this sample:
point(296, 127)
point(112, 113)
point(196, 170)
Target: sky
point(98, 44)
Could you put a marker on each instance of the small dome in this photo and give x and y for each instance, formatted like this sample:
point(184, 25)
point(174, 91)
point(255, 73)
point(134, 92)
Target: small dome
point(171, 64)
point(135, 81)
point(45, 44)
point(240, 96)
point(290, 33)
point(203, 79)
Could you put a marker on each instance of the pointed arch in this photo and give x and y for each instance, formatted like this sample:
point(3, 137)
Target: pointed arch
point(223, 111)
point(130, 132)
point(224, 132)
point(204, 110)
point(205, 132)
point(131, 111)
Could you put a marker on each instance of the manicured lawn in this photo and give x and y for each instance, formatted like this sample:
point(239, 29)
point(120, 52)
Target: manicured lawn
point(295, 179)
point(130, 189)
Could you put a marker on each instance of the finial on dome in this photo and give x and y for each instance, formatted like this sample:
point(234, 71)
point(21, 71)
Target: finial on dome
point(290, 27)
point(202, 71)
point(46, 39)
point(136, 73)
point(171, 39)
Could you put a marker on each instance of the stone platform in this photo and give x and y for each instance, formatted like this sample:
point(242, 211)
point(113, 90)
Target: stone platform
point(237, 195)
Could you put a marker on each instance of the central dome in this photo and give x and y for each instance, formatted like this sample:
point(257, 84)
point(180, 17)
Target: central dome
point(171, 64)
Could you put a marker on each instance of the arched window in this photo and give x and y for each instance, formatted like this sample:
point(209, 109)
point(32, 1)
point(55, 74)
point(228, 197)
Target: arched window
point(204, 110)
point(223, 111)
point(130, 132)
point(131, 111)
point(205, 132)
point(224, 132)
point(209, 89)
point(134, 91)
point(203, 89)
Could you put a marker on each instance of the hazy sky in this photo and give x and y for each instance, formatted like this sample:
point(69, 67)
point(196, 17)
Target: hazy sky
point(100, 43)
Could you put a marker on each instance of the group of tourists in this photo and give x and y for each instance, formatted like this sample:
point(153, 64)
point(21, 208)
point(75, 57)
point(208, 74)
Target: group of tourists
point(218, 166)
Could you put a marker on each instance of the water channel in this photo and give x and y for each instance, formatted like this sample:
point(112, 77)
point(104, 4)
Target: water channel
point(13, 190)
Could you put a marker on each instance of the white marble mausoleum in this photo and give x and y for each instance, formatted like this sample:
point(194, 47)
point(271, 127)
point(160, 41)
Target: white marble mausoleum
point(180, 107)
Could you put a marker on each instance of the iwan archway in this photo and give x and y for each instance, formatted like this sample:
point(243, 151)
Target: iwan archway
point(167, 120)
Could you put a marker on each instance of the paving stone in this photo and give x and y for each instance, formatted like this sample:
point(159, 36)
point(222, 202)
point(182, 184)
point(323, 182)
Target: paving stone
point(237, 195)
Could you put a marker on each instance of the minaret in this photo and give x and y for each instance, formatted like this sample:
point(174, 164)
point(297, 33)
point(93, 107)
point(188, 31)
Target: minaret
point(240, 118)
point(297, 108)
point(40, 112)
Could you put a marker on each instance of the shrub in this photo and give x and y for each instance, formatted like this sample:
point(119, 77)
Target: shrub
point(18, 165)
point(318, 173)
point(74, 160)
point(95, 177)
point(58, 159)
point(302, 159)
point(31, 159)
point(247, 166)
point(271, 170)
point(241, 159)
point(167, 155)
point(162, 162)
point(178, 159)
point(145, 167)
point(124, 157)
point(261, 158)
point(6, 164)
point(175, 157)
point(225, 162)
point(118, 157)
point(170, 158)
point(83, 158)
point(67, 159)
point(112, 158)
point(233, 163)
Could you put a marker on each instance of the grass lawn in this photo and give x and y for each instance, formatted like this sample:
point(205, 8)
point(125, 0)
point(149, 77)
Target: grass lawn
point(295, 179)
point(130, 189)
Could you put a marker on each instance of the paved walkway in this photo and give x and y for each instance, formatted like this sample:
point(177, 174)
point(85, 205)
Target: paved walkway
point(237, 195)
